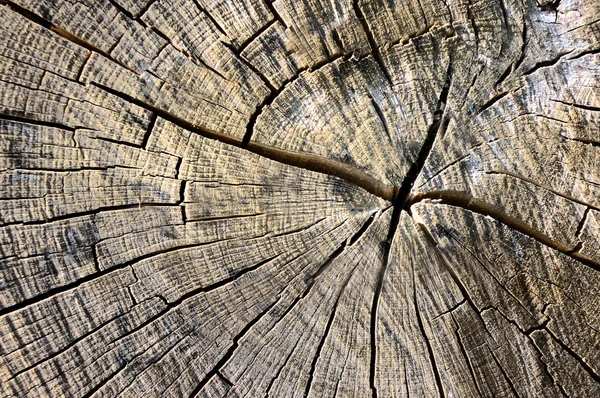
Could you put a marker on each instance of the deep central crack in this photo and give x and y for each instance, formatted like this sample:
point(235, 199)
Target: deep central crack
point(400, 201)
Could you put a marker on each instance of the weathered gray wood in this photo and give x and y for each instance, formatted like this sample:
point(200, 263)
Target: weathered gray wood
point(300, 198)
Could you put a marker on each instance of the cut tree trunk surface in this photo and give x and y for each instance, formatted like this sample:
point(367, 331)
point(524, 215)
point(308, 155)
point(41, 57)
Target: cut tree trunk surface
point(367, 198)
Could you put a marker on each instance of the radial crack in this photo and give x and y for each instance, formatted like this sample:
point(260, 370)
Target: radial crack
point(508, 380)
point(543, 186)
point(374, 48)
point(463, 350)
point(438, 124)
point(303, 160)
point(436, 373)
point(466, 201)
point(62, 32)
point(313, 365)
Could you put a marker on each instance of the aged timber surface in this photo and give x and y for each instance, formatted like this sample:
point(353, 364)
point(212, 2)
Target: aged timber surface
point(316, 198)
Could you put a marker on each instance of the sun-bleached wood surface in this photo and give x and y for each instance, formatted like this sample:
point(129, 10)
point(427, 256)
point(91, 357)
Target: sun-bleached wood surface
point(248, 198)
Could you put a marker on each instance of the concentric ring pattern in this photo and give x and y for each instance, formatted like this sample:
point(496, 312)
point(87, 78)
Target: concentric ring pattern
point(314, 198)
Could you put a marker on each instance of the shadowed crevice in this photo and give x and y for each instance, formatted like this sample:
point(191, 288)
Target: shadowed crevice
point(438, 124)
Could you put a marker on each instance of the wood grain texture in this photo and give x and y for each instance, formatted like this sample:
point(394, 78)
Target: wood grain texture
point(353, 198)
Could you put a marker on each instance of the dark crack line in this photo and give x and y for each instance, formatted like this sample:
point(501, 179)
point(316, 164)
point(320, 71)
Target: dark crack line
point(175, 304)
point(584, 53)
point(72, 170)
point(442, 259)
point(468, 202)
point(382, 118)
point(524, 40)
point(302, 160)
point(278, 373)
point(212, 19)
point(38, 20)
point(234, 345)
point(395, 220)
point(543, 186)
point(276, 92)
point(399, 204)
point(240, 49)
point(533, 345)
point(450, 310)
point(75, 341)
point(446, 167)
point(134, 330)
point(154, 361)
point(548, 63)
point(23, 120)
point(144, 143)
point(313, 365)
point(169, 41)
point(582, 224)
point(253, 68)
point(543, 364)
point(482, 262)
point(436, 373)
point(504, 75)
point(406, 379)
point(89, 212)
point(504, 15)
point(437, 126)
point(579, 106)
point(586, 141)
point(237, 275)
point(496, 98)
point(88, 278)
point(463, 350)
point(591, 372)
point(503, 372)
point(363, 229)
point(356, 237)
point(230, 351)
point(471, 85)
point(278, 17)
point(119, 142)
point(374, 48)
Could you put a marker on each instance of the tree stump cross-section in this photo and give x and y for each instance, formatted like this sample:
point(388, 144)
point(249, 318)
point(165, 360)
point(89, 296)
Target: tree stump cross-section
point(277, 198)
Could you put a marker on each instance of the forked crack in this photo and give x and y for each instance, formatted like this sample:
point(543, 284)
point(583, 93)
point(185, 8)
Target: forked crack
point(437, 126)
point(241, 47)
point(275, 93)
point(400, 200)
